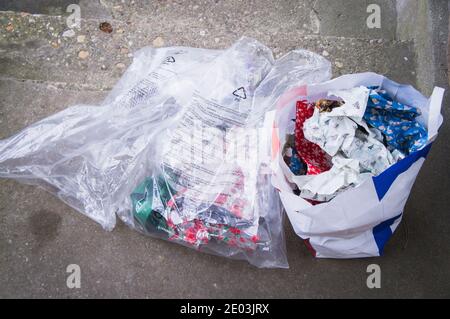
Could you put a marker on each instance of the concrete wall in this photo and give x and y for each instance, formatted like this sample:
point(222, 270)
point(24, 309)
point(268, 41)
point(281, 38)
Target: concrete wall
point(426, 23)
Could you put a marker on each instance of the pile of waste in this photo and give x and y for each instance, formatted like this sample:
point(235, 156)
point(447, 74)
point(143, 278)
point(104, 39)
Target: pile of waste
point(185, 148)
point(353, 134)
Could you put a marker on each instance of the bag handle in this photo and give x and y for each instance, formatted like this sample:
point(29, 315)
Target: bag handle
point(434, 115)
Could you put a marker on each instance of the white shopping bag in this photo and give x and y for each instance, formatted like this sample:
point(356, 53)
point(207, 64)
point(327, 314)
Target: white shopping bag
point(359, 221)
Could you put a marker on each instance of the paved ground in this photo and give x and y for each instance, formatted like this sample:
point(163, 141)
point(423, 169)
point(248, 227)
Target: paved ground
point(42, 72)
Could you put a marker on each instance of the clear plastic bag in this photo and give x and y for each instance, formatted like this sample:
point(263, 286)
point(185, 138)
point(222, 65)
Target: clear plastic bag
point(178, 150)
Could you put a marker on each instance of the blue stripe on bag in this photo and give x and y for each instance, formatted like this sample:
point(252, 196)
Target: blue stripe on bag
point(382, 232)
point(384, 181)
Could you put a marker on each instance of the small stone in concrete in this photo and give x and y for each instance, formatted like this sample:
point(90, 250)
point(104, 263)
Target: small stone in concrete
point(9, 27)
point(106, 27)
point(120, 65)
point(339, 64)
point(68, 33)
point(83, 54)
point(325, 53)
point(81, 38)
point(158, 42)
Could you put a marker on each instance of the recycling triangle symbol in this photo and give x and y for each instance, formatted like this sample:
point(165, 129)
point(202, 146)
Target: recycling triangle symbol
point(240, 93)
point(170, 59)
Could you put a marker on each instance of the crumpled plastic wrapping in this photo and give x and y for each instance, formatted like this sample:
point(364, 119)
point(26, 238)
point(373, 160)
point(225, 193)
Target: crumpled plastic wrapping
point(344, 130)
point(397, 121)
point(177, 150)
point(357, 150)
